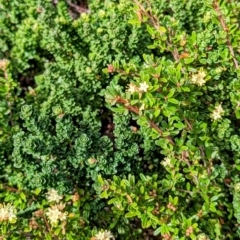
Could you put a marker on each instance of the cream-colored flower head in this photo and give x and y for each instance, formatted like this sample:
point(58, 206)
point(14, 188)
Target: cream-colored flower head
point(202, 236)
point(132, 88)
point(198, 78)
point(61, 206)
point(106, 235)
point(100, 236)
point(3, 64)
point(53, 196)
point(166, 162)
point(54, 214)
point(143, 87)
point(7, 213)
point(217, 112)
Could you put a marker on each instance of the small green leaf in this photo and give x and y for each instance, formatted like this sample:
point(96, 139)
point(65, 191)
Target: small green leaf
point(173, 100)
point(165, 134)
point(171, 93)
point(150, 30)
point(113, 200)
point(143, 177)
point(23, 196)
point(131, 179)
point(131, 214)
point(100, 180)
point(104, 194)
point(186, 89)
point(112, 187)
point(212, 207)
point(57, 231)
point(157, 231)
point(134, 22)
point(156, 112)
point(152, 46)
point(144, 219)
point(37, 191)
point(188, 60)
point(179, 125)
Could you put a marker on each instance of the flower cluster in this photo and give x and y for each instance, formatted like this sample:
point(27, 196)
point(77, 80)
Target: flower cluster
point(217, 112)
point(53, 196)
point(106, 235)
point(3, 64)
point(55, 214)
point(198, 78)
point(7, 213)
point(202, 236)
point(166, 162)
point(143, 87)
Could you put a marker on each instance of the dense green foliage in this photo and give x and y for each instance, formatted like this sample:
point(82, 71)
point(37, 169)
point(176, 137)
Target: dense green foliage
point(129, 109)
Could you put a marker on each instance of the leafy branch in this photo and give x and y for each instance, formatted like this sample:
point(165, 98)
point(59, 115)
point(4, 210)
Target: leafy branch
point(136, 110)
point(226, 30)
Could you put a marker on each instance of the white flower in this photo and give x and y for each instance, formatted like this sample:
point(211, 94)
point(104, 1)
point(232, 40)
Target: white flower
point(3, 64)
point(217, 112)
point(61, 206)
point(166, 162)
point(63, 216)
point(52, 196)
point(216, 115)
point(219, 108)
point(198, 78)
point(194, 79)
point(7, 213)
point(11, 214)
point(201, 73)
point(202, 236)
point(54, 214)
point(143, 87)
point(100, 236)
point(132, 88)
point(106, 235)
point(3, 213)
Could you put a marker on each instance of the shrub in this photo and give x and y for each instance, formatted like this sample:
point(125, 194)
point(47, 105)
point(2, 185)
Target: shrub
point(136, 101)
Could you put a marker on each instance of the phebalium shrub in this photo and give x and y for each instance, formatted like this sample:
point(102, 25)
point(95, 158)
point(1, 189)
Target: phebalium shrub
point(120, 119)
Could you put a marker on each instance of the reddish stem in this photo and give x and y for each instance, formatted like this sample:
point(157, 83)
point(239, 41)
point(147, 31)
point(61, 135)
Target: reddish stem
point(136, 111)
point(226, 30)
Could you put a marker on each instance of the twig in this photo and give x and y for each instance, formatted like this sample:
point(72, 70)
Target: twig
point(136, 111)
point(190, 192)
point(120, 71)
point(55, 237)
point(226, 30)
point(155, 23)
point(189, 125)
point(9, 96)
point(11, 189)
point(153, 125)
point(78, 8)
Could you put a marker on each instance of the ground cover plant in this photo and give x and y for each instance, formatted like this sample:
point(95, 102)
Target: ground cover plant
point(119, 119)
